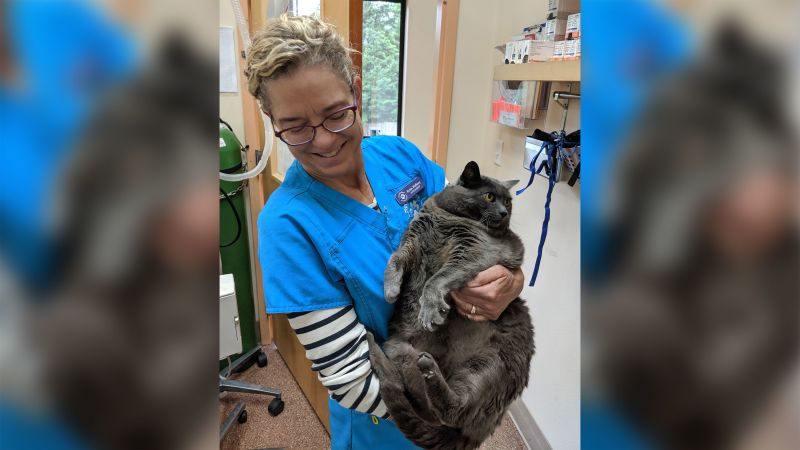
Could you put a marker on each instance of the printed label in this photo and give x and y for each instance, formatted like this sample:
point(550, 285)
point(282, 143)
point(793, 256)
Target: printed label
point(409, 191)
point(573, 23)
point(508, 118)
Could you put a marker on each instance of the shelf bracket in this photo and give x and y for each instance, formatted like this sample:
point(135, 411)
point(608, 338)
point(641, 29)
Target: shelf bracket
point(567, 96)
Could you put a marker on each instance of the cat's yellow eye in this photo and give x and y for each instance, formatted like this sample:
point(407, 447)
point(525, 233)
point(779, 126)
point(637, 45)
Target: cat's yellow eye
point(507, 202)
point(489, 197)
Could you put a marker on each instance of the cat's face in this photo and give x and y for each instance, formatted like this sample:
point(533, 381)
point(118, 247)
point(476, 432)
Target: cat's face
point(480, 198)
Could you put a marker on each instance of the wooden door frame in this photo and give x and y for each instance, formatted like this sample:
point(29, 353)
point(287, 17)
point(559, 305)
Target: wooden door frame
point(356, 37)
point(356, 32)
point(446, 34)
point(254, 137)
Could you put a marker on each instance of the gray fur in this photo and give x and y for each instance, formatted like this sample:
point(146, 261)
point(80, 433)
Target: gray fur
point(446, 380)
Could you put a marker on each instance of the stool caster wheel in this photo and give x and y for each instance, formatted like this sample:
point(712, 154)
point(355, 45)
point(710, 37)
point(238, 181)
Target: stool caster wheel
point(242, 416)
point(275, 407)
point(262, 359)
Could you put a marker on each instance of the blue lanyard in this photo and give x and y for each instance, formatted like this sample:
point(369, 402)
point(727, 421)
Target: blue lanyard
point(553, 161)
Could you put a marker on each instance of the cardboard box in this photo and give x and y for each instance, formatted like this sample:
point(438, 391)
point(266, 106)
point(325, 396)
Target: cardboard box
point(514, 51)
point(537, 51)
point(572, 49)
point(562, 8)
point(555, 27)
point(534, 32)
point(574, 24)
point(558, 50)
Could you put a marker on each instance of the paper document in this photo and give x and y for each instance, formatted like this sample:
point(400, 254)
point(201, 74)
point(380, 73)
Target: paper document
point(228, 75)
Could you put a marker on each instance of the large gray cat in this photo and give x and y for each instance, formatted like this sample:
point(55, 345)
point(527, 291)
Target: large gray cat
point(446, 380)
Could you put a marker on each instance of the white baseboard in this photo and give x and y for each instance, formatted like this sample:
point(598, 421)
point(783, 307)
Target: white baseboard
point(527, 427)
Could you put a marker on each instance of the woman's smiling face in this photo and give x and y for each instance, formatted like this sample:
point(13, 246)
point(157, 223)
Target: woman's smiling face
point(307, 96)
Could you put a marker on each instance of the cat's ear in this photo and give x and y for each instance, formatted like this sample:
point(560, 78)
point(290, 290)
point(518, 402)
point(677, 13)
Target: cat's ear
point(508, 184)
point(471, 176)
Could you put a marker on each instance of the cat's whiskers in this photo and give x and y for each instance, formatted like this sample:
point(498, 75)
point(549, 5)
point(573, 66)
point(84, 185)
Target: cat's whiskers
point(485, 218)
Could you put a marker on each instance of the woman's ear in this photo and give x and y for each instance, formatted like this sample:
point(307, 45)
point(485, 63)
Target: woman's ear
point(357, 90)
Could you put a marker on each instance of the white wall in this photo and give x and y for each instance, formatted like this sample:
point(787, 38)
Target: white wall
point(230, 104)
point(553, 395)
point(420, 62)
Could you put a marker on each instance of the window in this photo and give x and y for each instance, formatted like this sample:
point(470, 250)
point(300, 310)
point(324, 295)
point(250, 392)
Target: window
point(305, 7)
point(383, 35)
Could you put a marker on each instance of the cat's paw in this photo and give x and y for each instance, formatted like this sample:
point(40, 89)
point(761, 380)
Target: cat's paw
point(377, 359)
point(426, 365)
point(432, 312)
point(371, 340)
point(392, 282)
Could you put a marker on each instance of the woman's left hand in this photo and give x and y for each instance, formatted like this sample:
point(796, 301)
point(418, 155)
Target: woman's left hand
point(487, 295)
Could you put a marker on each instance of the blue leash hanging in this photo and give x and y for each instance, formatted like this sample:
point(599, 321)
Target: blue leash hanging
point(554, 150)
point(550, 183)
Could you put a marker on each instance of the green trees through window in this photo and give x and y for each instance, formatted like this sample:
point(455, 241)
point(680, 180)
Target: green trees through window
point(381, 59)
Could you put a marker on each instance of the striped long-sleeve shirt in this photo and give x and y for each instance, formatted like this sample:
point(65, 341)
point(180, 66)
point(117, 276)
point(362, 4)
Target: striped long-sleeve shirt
point(336, 344)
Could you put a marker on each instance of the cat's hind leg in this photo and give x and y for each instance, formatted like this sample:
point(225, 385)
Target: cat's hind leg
point(405, 413)
point(404, 399)
point(404, 359)
point(444, 401)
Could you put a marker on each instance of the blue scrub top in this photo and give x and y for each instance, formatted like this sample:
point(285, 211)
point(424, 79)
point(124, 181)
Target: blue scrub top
point(320, 249)
point(69, 54)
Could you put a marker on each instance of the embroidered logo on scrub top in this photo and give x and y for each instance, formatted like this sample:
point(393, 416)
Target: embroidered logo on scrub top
point(409, 191)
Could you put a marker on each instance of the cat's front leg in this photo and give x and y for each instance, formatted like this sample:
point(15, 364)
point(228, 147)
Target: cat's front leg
point(433, 309)
point(393, 277)
point(433, 304)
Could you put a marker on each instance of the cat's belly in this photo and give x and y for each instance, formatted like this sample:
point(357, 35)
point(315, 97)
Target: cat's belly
point(456, 342)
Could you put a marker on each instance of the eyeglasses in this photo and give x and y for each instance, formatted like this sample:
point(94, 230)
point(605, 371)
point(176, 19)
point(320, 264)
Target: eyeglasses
point(337, 122)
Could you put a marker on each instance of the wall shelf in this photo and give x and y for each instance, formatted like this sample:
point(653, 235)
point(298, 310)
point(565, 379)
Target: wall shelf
point(540, 71)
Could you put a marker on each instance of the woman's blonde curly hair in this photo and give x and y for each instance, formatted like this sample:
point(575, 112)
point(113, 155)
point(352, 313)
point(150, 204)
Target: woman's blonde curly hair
point(288, 42)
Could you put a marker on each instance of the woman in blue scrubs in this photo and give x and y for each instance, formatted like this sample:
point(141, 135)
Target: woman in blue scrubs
point(327, 232)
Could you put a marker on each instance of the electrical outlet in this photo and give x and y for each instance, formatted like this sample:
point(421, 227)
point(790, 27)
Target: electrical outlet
point(498, 153)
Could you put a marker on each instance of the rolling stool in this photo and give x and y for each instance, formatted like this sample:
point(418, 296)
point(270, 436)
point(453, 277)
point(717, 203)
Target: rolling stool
point(239, 413)
point(230, 344)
